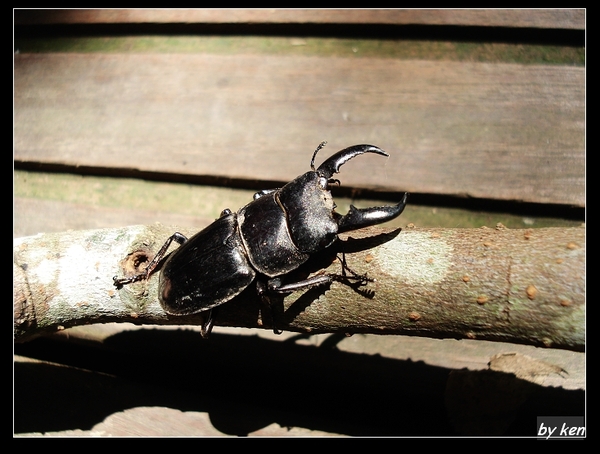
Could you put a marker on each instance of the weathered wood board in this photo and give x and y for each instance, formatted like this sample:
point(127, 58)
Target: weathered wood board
point(497, 131)
point(550, 18)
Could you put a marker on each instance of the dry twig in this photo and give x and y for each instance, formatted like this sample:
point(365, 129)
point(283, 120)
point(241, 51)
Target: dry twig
point(521, 286)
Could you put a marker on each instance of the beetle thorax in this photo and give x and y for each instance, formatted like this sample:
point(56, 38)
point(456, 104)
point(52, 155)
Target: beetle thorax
point(281, 229)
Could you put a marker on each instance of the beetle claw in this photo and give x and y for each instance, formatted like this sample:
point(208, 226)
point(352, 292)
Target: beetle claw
point(332, 164)
point(359, 218)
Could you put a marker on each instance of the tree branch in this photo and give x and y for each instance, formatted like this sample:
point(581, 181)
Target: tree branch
point(520, 286)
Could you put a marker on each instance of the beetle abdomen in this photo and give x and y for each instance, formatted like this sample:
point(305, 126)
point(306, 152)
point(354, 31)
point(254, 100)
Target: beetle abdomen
point(265, 233)
point(206, 271)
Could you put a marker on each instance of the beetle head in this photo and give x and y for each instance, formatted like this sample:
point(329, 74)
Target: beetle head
point(308, 203)
point(309, 206)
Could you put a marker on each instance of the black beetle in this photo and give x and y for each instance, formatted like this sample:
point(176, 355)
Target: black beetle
point(271, 236)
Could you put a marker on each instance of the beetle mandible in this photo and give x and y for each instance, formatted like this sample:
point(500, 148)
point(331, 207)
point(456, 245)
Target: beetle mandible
point(269, 237)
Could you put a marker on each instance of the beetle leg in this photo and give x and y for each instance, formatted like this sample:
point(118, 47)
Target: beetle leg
point(359, 218)
point(361, 278)
point(275, 285)
point(177, 237)
point(207, 324)
point(275, 308)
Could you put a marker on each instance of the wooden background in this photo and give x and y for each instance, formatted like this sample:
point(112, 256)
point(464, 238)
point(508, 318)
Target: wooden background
point(136, 116)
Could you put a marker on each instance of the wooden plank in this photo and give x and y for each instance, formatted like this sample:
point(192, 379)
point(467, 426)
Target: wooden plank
point(499, 131)
point(33, 216)
point(537, 18)
point(47, 203)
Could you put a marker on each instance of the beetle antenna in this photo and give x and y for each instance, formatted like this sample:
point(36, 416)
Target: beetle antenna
point(312, 161)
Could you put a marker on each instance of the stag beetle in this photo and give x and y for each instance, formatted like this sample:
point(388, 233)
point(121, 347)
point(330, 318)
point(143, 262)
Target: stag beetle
point(271, 236)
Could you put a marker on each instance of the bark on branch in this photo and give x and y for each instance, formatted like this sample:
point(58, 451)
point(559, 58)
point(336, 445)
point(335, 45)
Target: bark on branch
point(520, 286)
